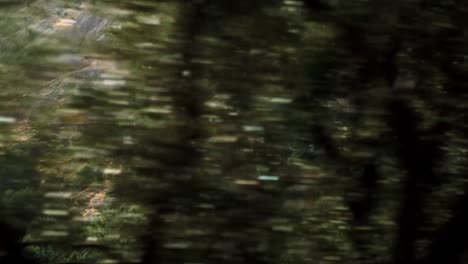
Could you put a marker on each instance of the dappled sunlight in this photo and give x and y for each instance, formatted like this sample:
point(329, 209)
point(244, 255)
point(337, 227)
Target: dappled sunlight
point(201, 132)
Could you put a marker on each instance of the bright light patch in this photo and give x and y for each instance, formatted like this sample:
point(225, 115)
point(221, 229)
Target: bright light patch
point(7, 119)
point(245, 182)
point(62, 195)
point(64, 23)
point(268, 178)
point(113, 82)
point(55, 212)
point(252, 128)
point(112, 171)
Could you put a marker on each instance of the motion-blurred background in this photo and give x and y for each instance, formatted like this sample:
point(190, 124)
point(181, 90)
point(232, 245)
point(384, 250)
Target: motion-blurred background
point(248, 131)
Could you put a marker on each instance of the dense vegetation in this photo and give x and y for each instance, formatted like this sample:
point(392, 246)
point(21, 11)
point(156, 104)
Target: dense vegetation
point(172, 131)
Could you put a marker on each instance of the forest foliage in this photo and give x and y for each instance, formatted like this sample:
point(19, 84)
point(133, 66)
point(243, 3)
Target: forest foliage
point(314, 131)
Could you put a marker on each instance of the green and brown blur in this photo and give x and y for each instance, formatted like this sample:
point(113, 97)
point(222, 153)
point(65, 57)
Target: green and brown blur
point(234, 132)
